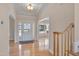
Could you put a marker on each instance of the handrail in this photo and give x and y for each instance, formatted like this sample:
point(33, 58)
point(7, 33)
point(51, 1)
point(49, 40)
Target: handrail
point(70, 26)
point(65, 40)
point(69, 32)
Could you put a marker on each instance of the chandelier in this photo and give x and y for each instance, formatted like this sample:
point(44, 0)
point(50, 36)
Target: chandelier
point(30, 7)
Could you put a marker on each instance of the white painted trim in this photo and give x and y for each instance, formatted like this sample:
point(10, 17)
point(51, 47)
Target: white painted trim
point(15, 32)
point(47, 18)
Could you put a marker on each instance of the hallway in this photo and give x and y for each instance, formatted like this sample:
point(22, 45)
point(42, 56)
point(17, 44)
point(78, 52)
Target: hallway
point(38, 29)
point(34, 32)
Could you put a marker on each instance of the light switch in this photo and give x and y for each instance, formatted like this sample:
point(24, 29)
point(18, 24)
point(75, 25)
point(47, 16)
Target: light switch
point(1, 22)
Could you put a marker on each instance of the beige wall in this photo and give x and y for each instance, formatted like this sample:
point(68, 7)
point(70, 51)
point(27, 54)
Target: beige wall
point(5, 11)
point(4, 30)
point(76, 15)
point(60, 16)
point(77, 22)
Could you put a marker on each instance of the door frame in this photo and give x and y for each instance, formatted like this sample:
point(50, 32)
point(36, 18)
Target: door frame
point(43, 19)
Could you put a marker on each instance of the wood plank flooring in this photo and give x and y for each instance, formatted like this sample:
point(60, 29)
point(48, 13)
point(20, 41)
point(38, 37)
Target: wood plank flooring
point(28, 49)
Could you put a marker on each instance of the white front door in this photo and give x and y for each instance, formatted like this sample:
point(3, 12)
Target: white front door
point(25, 32)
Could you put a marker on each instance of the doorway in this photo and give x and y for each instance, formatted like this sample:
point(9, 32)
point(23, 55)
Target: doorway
point(24, 32)
point(43, 34)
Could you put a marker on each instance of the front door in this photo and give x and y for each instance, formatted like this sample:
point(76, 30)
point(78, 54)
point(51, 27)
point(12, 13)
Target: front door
point(25, 32)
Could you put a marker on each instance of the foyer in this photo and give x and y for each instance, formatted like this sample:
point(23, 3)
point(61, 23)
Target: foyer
point(39, 29)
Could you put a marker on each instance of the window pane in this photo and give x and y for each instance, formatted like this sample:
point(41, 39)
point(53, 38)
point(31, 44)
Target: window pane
point(20, 34)
point(19, 25)
point(27, 26)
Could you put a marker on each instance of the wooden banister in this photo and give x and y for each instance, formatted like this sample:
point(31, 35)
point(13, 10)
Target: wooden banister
point(63, 41)
point(70, 26)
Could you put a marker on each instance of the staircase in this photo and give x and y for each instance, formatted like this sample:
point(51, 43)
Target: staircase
point(63, 41)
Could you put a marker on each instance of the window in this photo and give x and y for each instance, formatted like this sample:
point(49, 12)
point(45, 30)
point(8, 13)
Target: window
point(20, 33)
point(27, 26)
point(19, 26)
point(42, 27)
point(19, 29)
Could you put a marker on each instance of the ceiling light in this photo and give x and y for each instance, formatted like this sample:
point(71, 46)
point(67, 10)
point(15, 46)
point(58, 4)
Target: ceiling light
point(30, 7)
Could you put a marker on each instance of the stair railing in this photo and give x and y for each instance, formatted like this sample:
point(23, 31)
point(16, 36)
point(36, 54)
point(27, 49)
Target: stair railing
point(63, 41)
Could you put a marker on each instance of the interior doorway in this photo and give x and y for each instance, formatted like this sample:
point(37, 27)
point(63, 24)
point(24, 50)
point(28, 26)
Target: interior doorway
point(43, 34)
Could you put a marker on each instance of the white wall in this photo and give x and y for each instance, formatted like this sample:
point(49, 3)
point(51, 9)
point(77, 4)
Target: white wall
point(12, 10)
point(60, 16)
point(77, 22)
point(27, 19)
point(4, 30)
point(12, 18)
point(5, 11)
point(12, 27)
point(76, 15)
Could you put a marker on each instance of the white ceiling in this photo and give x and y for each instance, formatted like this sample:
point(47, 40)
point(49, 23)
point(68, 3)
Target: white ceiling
point(20, 9)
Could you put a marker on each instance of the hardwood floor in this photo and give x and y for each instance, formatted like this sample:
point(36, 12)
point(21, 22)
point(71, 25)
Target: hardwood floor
point(27, 49)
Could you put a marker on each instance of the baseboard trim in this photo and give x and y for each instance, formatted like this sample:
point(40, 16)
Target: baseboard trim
point(11, 40)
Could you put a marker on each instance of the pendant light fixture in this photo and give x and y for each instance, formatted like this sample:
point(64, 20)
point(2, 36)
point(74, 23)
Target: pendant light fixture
point(30, 7)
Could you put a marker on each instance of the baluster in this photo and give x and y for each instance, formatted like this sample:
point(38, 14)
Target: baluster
point(54, 43)
point(57, 44)
point(68, 45)
point(62, 39)
point(65, 44)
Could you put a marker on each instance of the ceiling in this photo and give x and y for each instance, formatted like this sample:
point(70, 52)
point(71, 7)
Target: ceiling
point(20, 9)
